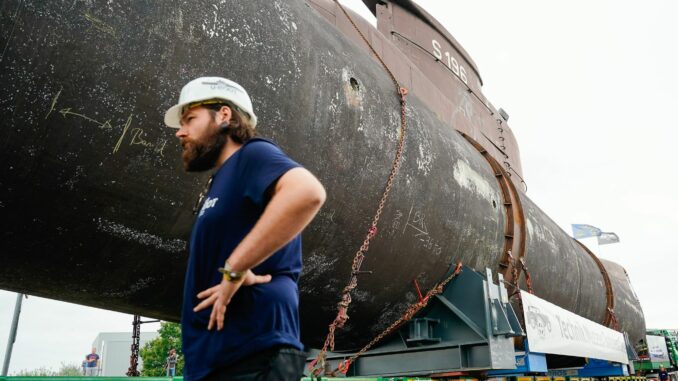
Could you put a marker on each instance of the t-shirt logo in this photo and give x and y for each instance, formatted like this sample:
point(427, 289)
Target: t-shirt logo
point(209, 203)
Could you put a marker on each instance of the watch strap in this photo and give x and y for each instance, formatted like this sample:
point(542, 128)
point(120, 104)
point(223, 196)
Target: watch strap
point(231, 275)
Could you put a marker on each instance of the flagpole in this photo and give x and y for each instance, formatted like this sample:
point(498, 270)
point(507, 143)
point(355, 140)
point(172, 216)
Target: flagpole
point(12, 334)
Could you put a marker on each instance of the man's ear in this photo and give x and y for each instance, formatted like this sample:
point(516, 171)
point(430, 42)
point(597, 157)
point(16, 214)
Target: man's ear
point(226, 113)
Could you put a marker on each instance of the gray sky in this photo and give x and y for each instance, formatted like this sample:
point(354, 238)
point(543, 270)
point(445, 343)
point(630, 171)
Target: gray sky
point(590, 87)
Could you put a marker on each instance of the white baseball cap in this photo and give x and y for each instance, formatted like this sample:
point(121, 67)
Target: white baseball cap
point(205, 89)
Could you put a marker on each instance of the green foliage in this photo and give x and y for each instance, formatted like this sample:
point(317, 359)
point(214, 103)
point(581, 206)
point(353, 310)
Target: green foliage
point(154, 353)
point(65, 370)
point(43, 371)
point(72, 369)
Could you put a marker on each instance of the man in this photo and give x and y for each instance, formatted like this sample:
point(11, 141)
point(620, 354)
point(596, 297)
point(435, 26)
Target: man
point(240, 318)
point(663, 374)
point(171, 363)
point(92, 363)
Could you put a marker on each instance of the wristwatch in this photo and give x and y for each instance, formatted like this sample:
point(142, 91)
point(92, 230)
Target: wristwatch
point(230, 275)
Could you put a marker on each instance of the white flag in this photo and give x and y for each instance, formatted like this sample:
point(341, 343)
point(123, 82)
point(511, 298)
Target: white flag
point(606, 238)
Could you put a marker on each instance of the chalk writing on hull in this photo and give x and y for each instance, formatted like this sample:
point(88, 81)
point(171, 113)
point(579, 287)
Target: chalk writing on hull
point(138, 139)
point(416, 222)
point(67, 111)
point(135, 136)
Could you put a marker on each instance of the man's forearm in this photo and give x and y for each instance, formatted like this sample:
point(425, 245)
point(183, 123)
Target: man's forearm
point(298, 197)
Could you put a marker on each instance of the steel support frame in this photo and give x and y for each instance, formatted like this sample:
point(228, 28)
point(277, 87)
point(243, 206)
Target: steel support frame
point(471, 327)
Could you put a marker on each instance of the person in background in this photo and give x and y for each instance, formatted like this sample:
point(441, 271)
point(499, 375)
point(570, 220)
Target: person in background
point(92, 363)
point(171, 363)
point(663, 374)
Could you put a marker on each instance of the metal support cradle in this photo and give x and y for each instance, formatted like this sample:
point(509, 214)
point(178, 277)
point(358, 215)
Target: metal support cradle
point(470, 326)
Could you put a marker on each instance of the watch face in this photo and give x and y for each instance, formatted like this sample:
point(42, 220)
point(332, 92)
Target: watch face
point(234, 275)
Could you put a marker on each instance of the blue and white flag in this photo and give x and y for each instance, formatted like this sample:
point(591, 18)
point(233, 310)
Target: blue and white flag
point(607, 237)
point(585, 231)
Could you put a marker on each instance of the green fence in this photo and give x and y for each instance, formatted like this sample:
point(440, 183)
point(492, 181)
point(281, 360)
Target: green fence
point(73, 378)
point(79, 378)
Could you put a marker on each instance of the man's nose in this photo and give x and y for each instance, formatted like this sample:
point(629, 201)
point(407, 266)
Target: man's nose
point(182, 132)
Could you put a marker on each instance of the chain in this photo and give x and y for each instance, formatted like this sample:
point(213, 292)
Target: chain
point(393, 78)
point(514, 274)
point(528, 278)
point(614, 323)
point(409, 313)
point(342, 306)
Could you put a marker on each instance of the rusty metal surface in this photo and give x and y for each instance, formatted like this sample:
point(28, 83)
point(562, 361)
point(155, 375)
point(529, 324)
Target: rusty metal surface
point(610, 317)
point(514, 228)
point(626, 301)
point(432, 64)
point(415, 10)
point(97, 211)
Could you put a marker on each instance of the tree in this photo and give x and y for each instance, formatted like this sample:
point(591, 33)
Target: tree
point(72, 369)
point(154, 353)
point(43, 371)
point(65, 370)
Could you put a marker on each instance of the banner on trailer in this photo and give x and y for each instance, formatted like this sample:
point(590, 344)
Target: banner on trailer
point(551, 329)
point(656, 348)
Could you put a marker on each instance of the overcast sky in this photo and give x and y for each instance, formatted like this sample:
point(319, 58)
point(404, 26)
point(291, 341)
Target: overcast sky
point(591, 89)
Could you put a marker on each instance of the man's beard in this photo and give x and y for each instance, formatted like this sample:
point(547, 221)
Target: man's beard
point(199, 156)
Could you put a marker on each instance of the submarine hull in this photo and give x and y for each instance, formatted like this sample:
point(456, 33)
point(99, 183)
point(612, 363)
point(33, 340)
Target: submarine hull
point(96, 209)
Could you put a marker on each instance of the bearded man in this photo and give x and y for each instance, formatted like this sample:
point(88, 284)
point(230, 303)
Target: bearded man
point(240, 317)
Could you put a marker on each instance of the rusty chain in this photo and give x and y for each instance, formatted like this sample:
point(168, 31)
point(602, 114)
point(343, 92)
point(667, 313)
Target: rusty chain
point(342, 309)
point(528, 278)
point(514, 274)
point(393, 78)
point(614, 323)
point(409, 313)
point(515, 287)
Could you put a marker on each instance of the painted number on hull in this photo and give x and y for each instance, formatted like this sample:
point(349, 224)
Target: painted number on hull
point(451, 62)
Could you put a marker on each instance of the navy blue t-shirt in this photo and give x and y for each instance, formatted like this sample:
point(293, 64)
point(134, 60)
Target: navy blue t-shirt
point(92, 359)
point(260, 316)
point(663, 375)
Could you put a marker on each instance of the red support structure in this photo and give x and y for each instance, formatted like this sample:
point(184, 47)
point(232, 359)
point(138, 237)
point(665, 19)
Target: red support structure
point(134, 357)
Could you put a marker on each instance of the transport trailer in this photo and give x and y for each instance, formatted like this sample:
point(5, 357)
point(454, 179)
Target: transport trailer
point(657, 350)
point(471, 331)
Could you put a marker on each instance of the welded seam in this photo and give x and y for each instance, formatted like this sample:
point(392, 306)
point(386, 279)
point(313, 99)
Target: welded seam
point(581, 282)
point(519, 218)
point(609, 292)
point(515, 217)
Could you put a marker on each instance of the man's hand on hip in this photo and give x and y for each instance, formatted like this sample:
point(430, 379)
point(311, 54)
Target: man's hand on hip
point(220, 295)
